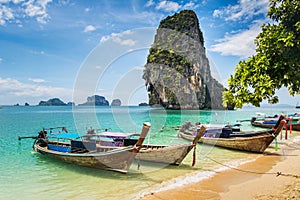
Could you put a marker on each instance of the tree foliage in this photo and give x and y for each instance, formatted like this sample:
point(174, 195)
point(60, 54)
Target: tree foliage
point(276, 63)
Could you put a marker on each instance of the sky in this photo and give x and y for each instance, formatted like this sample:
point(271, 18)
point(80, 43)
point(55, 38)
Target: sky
point(72, 49)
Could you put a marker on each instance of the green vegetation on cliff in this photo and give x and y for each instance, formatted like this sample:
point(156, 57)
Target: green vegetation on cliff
point(182, 22)
point(169, 58)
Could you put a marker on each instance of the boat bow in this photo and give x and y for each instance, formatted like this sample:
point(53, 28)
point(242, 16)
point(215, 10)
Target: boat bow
point(196, 139)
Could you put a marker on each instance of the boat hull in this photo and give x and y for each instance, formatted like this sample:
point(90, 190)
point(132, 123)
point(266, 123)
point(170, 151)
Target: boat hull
point(117, 160)
point(256, 144)
point(173, 155)
point(295, 127)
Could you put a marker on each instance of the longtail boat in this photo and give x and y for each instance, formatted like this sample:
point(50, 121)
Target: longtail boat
point(88, 153)
point(167, 154)
point(253, 141)
point(270, 122)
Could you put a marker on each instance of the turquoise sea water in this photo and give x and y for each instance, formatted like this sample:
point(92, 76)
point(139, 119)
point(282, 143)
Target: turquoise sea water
point(25, 174)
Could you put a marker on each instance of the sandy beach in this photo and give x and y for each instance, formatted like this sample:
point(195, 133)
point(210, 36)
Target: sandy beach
point(254, 180)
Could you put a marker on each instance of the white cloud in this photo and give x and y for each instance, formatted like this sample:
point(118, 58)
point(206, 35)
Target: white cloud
point(241, 43)
point(1, 59)
point(37, 8)
point(171, 6)
point(127, 42)
point(5, 14)
point(89, 28)
point(190, 5)
point(245, 9)
point(37, 80)
point(168, 6)
point(149, 3)
point(120, 38)
point(105, 38)
point(238, 44)
point(16, 90)
point(24, 8)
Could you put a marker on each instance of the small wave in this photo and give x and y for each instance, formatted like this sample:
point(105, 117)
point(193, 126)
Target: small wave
point(194, 177)
point(296, 139)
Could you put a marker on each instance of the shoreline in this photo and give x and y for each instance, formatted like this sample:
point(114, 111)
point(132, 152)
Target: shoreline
point(261, 182)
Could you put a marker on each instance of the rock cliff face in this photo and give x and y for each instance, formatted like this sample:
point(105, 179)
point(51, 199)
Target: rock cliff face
point(177, 73)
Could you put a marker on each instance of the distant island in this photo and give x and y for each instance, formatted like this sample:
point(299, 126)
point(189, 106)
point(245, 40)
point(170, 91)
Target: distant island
point(52, 102)
point(95, 100)
point(143, 104)
point(116, 102)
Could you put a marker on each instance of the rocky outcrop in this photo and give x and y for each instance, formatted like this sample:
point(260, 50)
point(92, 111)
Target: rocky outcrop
point(143, 104)
point(52, 102)
point(116, 102)
point(70, 104)
point(96, 100)
point(177, 73)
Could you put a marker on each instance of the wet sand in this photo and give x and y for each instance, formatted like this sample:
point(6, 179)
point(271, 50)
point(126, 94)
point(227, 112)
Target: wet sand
point(259, 182)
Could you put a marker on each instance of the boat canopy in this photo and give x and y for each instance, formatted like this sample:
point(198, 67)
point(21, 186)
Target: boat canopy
point(108, 135)
point(117, 135)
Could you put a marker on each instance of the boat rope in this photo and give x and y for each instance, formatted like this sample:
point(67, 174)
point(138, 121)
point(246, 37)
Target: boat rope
point(139, 161)
point(253, 172)
point(291, 175)
point(293, 147)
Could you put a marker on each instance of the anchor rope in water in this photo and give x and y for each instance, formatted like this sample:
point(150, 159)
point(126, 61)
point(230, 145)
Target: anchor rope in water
point(253, 172)
point(292, 145)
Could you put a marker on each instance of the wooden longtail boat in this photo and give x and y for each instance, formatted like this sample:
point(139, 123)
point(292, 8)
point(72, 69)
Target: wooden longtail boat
point(269, 123)
point(256, 141)
point(90, 155)
point(172, 155)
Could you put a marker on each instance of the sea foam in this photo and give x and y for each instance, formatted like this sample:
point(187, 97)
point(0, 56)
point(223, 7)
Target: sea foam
point(194, 177)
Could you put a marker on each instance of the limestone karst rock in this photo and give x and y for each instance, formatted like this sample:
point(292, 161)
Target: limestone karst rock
point(177, 73)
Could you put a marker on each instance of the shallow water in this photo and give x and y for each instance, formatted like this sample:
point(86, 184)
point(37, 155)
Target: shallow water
point(27, 175)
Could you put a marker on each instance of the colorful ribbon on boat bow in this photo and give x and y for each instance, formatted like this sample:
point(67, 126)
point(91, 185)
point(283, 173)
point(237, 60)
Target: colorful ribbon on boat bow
point(286, 128)
point(289, 119)
point(291, 124)
point(276, 142)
